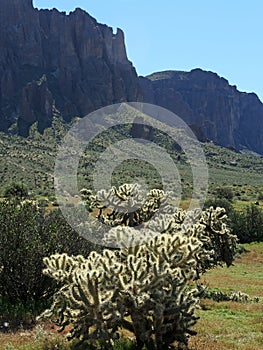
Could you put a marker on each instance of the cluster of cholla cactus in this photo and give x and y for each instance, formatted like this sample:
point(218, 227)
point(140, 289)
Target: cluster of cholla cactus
point(238, 297)
point(143, 285)
point(127, 205)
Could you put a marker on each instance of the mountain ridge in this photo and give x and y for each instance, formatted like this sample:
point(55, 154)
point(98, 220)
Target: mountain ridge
point(69, 63)
point(53, 63)
point(209, 103)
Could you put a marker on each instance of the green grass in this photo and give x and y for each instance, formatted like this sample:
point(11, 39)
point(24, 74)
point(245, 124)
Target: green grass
point(229, 325)
point(245, 275)
point(46, 340)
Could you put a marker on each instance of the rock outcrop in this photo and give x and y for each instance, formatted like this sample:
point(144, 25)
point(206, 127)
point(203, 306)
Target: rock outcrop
point(84, 63)
point(51, 62)
point(214, 109)
point(141, 131)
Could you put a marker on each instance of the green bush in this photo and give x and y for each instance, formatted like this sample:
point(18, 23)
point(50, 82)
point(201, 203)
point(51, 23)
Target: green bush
point(224, 192)
point(20, 313)
point(22, 246)
point(27, 235)
point(16, 190)
point(248, 224)
point(221, 203)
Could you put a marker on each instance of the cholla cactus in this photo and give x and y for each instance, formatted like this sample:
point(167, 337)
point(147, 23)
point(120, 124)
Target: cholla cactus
point(142, 287)
point(218, 296)
point(211, 229)
point(86, 298)
point(126, 205)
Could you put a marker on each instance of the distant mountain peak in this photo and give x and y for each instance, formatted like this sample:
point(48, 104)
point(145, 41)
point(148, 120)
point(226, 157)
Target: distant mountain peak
point(208, 103)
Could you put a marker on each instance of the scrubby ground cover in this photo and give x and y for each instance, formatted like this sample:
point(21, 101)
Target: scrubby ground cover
point(31, 161)
point(223, 325)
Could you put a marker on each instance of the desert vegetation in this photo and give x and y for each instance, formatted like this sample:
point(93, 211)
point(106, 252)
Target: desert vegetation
point(141, 295)
point(166, 292)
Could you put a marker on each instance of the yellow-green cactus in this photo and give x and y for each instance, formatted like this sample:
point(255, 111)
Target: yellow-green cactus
point(144, 287)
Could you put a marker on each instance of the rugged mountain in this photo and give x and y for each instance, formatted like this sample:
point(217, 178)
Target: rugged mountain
point(51, 62)
point(57, 64)
point(215, 110)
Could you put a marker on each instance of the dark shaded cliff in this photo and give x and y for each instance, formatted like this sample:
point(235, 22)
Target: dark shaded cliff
point(50, 61)
point(214, 109)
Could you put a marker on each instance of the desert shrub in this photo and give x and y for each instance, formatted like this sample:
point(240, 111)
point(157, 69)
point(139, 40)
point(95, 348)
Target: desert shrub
point(247, 224)
point(26, 236)
point(219, 203)
point(16, 190)
point(142, 286)
point(254, 223)
point(224, 192)
point(238, 225)
point(21, 251)
point(62, 238)
point(14, 315)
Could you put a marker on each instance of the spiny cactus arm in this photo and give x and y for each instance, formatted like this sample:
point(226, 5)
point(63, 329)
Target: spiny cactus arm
point(125, 237)
point(83, 297)
point(154, 288)
point(173, 317)
point(176, 250)
point(157, 196)
point(221, 240)
point(178, 317)
point(215, 220)
point(60, 267)
point(88, 306)
point(58, 312)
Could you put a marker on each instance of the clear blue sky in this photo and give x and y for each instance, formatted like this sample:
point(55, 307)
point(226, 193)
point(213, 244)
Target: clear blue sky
point(224, 36)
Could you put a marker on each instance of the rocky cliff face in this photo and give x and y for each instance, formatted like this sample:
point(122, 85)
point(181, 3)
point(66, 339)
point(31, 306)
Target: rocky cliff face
point(54, 63)
point(214, 109)
point(50, 60)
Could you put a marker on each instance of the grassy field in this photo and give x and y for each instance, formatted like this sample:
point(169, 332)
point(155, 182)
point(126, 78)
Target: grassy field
point(222, 325)
point(231, 325)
